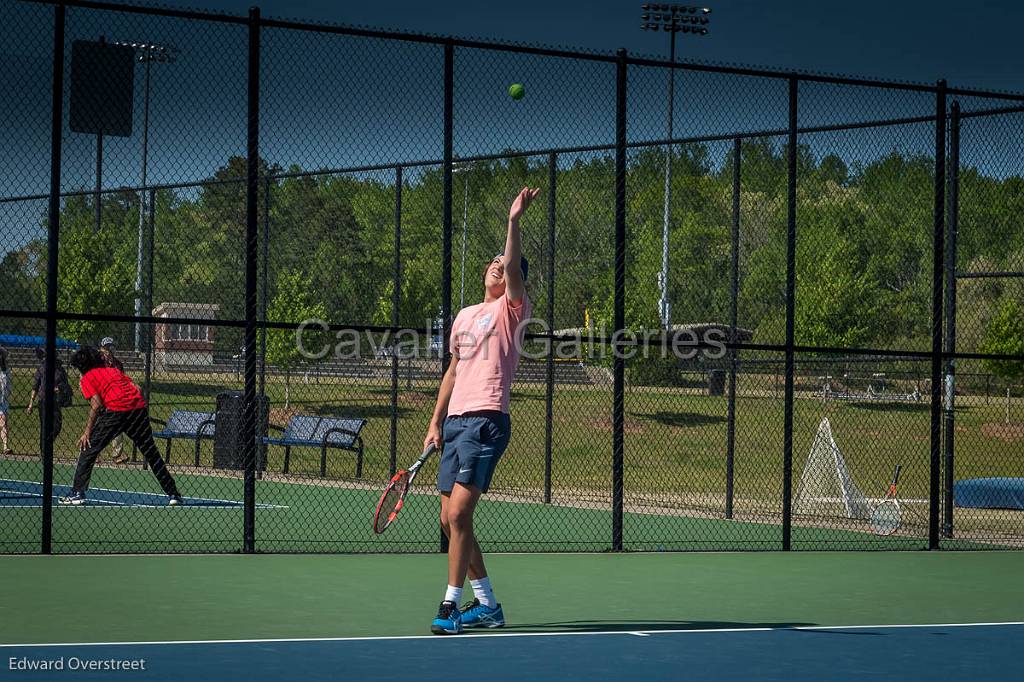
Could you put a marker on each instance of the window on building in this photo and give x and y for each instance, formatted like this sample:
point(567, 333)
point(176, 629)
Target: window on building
point(189, 332)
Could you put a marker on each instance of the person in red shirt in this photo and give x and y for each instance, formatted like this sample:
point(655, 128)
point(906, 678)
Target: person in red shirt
point(116, 406)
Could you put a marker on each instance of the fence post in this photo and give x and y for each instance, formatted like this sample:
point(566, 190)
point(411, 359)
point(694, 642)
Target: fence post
point(148, 336)
point(787, 446)
point(938, 253)
point(52, 242)
point(446, 236)
point(250, 431)
point(618, 397)
point(550, 395)
point(730, 449)
point(954, 222)
point(265, 276)
point(396, 299)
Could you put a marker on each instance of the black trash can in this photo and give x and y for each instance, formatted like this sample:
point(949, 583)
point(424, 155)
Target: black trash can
point(716, 382)
point(228, 448)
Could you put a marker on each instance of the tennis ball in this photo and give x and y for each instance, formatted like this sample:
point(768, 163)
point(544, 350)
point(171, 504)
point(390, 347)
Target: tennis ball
point(516, 91)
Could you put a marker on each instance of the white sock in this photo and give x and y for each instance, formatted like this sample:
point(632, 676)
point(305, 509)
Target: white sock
point(454, 594)
point(483, 591)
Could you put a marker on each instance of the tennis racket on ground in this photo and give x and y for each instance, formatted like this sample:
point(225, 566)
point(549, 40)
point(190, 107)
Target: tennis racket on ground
point(886, 516)
point(398, 487)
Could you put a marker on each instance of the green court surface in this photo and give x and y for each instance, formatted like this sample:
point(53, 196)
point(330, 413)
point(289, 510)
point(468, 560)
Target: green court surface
point(310, 516)
point(173, 598)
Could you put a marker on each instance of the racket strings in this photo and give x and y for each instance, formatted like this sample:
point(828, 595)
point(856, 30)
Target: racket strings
point(885, 518)
point(391, 502)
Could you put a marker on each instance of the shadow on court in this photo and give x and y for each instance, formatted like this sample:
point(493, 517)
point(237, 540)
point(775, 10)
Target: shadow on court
point(644, 625)
point(682, 419)
point(359, 411)
point(891, 407)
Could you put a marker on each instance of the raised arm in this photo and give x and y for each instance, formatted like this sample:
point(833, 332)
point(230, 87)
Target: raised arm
point(514, 287)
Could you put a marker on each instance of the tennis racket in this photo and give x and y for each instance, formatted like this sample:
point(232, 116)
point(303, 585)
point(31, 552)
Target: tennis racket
point(886, 516)
point(398, 487)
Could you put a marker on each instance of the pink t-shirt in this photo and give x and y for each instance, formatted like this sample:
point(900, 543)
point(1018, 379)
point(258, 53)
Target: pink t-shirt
point(487, 341)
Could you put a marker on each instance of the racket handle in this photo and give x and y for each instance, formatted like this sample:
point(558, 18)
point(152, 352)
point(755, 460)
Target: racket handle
point(423, 457)
point(896, 475)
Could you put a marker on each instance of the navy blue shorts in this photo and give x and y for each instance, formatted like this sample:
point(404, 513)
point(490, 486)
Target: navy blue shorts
point(473, 444)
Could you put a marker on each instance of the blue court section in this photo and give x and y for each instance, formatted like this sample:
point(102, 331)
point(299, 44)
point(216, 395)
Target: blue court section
point(989, 493)
point(921, 652)
point(30, 494)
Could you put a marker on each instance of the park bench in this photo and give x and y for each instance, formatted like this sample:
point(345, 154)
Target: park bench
point(194, 426)
point(323, 433)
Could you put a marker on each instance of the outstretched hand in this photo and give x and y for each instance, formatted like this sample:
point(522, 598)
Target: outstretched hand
point(522, 202)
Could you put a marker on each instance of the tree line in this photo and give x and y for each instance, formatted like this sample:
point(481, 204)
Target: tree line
point(863, 260)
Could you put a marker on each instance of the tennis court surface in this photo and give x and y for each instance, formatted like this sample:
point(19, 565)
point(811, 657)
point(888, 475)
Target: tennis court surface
point(15, 493)
point(799, 616)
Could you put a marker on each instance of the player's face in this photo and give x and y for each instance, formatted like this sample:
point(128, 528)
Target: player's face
point(494, 277)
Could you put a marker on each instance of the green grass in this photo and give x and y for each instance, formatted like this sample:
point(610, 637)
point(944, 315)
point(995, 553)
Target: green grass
point(675, 445)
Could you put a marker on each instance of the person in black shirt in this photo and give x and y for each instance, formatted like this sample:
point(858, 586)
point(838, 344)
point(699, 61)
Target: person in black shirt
point(60, 378)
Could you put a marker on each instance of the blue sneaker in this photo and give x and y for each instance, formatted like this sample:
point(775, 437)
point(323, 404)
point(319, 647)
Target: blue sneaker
point(72, 498)
point(448, 621)
point(476, 615)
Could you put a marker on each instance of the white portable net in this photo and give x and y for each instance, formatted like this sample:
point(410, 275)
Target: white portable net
point(826, 487)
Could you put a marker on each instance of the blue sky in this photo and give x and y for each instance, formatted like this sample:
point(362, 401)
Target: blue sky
point(973, 43)
point(332, 101)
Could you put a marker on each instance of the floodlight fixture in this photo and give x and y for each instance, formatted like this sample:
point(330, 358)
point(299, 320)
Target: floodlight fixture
point(673, 19)
point(147, 53)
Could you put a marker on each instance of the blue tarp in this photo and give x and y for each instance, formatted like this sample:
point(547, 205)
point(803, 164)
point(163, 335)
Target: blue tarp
point(18, 341)
point(989, 493)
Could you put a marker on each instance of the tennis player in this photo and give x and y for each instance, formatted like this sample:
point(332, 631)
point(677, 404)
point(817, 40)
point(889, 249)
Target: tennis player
point(5, 401)
point(61, 389)
point(115, 406)
point(471, 422)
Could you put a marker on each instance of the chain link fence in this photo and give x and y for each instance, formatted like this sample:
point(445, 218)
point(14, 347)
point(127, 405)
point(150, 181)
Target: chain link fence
point(740, 329)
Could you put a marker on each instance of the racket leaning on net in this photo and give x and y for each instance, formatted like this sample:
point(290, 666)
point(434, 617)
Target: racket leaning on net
point(393, 498)
point(886, 516)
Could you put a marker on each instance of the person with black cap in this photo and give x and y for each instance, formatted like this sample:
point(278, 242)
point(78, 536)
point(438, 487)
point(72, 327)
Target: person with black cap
point(471, 421)
point(107, 350)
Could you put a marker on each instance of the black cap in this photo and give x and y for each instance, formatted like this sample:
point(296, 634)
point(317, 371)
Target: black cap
point(524, 264)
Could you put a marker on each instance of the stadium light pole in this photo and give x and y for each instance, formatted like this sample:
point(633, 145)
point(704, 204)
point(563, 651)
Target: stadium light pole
point(464, 169)
point(146, 53)
point(672, 19)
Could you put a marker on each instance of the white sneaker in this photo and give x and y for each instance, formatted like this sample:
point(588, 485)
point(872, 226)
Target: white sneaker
point(72, 498)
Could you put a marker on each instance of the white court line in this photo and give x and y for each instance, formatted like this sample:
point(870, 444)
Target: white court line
point(524, 634)
point(233, 503)
point(110, 503)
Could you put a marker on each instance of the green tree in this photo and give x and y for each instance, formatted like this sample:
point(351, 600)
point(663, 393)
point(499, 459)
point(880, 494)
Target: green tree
point(97, 267)
point(294, 301)
point(1005, 336)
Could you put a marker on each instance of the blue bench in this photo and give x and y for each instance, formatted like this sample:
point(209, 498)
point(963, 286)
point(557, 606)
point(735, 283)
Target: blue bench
point(323, 433)
point(194, 426)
